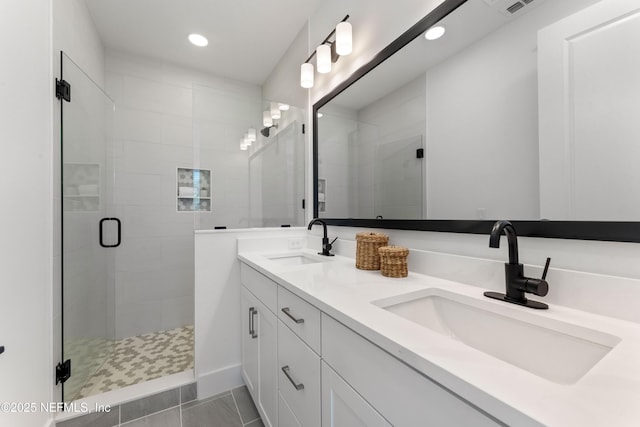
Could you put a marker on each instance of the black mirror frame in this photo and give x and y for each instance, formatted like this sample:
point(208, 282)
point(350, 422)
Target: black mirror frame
point(615, 231)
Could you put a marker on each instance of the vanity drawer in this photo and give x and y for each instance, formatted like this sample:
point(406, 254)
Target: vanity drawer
point(299, 377)
point(391, 387)
point(300, 316)
point(260, 285)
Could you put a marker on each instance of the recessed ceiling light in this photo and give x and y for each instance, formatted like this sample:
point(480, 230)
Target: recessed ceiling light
point(198, 40)
point(434, 33)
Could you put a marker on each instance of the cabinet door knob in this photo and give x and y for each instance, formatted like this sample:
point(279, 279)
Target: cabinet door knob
point(285, 310)
point(286, 369)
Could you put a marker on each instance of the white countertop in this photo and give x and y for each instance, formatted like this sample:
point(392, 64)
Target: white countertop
point(607, 395)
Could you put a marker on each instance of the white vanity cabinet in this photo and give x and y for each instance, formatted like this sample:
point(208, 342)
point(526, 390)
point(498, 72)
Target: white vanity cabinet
point(343, 406)
point(260, 346)
point(399, 393)
point(304, 368)
point(299, 357)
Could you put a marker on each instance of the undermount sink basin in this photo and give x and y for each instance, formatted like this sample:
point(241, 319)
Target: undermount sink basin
point(558, 351)
point(297, 259)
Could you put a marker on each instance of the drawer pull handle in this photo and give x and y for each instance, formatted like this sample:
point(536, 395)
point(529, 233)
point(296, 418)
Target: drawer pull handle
point(252, 313)
point(285, 369)
point(286, 311)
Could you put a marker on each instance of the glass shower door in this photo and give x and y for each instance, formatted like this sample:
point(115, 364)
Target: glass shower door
point(89, 230)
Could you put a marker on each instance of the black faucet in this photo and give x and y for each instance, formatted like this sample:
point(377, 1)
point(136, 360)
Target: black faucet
point(326, 246)
point(517, 283)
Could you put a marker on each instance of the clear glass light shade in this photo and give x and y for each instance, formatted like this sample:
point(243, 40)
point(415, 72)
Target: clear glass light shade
point(275, 111)
point(344, 42)
point(266, 119)
point(247, 141)
point(252, 134)
point(306, 75)
point(434, 33)
point(243, 146)
point(283, 107)
point(323, 58)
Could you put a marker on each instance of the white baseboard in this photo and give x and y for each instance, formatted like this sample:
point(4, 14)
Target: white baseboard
point(218, 381)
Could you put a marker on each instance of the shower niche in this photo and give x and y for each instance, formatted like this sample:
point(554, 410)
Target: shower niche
point(193, 190)
point(82, 187)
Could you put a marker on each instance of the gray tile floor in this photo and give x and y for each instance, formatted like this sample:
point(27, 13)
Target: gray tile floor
point(234, 408)
point(231, 409)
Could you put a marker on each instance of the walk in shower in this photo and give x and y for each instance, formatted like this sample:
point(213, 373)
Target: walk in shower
point(113, 334)
point(144, 164)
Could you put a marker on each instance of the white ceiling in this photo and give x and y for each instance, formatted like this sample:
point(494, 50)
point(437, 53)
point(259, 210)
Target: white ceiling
point(246, 37)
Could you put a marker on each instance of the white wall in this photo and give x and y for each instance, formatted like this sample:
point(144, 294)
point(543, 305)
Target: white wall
point(217, 298)
point(482, 115)
point(278, 85)
point(393, 124)
point(169, 117)
point(335, 160)
point(26, 367)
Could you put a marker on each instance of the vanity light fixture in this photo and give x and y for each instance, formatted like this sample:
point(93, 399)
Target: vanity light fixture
point(267, 120)
point(275, 111)
point(344, 39)
point(327, 53)
point(434, 33)
point(198, 40)
point(252, 134)
point(323, 55)
point(306, 75)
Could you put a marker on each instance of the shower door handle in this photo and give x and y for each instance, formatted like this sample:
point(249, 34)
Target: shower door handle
point(119, 224)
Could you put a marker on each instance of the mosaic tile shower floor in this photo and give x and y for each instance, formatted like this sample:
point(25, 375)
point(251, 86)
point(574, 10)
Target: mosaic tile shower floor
point(143, 358)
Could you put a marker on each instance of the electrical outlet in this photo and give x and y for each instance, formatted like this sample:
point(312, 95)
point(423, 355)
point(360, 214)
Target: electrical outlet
point(295, 243)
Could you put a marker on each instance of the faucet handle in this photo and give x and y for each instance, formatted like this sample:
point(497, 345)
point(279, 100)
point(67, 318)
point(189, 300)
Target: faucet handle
point(546, 268)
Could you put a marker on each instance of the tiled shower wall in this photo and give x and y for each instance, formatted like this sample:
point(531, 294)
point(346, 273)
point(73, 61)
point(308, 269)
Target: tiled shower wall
point(155, 133)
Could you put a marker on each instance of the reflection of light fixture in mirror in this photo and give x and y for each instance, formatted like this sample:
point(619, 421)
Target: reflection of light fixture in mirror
point(266, 118)
point(344, 41)
point(252, 134)
point(283, 107)
point(320, 115)
point(198, 40)
point(275, 111)
point(434, 33)
point(327, 53)
point(247, 140)
point(323, 58)
point(243, 146)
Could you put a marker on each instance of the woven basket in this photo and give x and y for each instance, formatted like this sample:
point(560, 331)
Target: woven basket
point(367, 244)
point(393, 261)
